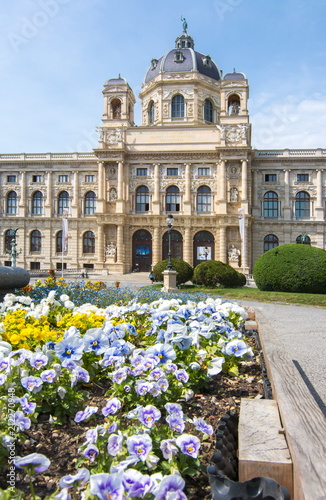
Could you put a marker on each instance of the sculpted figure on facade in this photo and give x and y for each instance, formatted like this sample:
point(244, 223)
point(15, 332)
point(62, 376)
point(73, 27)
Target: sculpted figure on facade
point(233, 253)
point(233, 194)
point(110, 250)
point(112, 194)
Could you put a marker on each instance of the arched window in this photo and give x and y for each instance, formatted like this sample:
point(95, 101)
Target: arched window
point(58, 242)
point(116, 108)
point(172, 199)
point(303, 239)
point(89, 242)
point(270, 241)
point(63, 201)
point(203, 199)
point(142, 199)
point(90, 203)
point(208, 111)
point(270, 204)
point(12, 202)
point(302, 204)
point(9, 237)
point(178, 106)
point(234, 105)
point(37, 203)
point(35, 241)
point(151, 113)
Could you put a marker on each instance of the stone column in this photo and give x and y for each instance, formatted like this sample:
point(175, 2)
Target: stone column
point(187, 198)
point(100, 245)
point(74, 206)
point(287, 207)
point(187, 247)
point(222, 190)
point(156, 194)
point(223, 249)
point(22, 203)
point(48, 202)
point(157, 246)
point(100, 198)
point(120, 197)
point(120, 252)
point(244, 186)
point(319, 205)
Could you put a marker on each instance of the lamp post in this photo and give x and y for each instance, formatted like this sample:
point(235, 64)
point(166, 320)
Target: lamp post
point(170, 222)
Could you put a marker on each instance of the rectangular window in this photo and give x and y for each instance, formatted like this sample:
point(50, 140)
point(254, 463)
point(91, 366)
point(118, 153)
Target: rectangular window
point(35, 266)
point(141, 172)
point(88, 266)
point(37, 178)
point(59, 266)
point(302, 177)
point(270, 178)
point(172, 172)
point(204, 172)
point(11, 178)
point(89, 178)
point(63, 178)
point(8, 263)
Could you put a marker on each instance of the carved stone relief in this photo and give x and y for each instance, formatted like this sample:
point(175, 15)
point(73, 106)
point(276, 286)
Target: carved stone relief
point(233, 170)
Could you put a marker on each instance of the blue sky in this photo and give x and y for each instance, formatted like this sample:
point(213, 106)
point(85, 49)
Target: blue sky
point(55, 56)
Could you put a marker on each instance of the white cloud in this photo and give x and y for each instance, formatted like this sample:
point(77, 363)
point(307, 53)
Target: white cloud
point(289, 123)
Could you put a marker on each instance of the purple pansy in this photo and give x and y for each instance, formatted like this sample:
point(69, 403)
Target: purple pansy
point(27, 406)
point(81, 477)
point(21, 421)
point(91, 452)
point(38, 360)
point(85, 414)
point(142, 387)
point(32, 384)
point(168, 448)
point(49, 376)
point(182, 376)
point(171, 487)
point(201, 426)
point(112, 406)
point(149, 415)
point(176, 422)
point(114, 444)
point(189, 445)
point(35, 461)
point(139, 445)
point(137, 485)
point(106, 486)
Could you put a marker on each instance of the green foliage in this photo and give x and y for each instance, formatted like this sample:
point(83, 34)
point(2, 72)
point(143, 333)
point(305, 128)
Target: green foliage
point(292, 268)
point(213, 273)
point(184, 270)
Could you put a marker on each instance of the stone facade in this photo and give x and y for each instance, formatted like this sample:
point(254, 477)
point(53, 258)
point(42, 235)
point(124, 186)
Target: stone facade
point(191, 158)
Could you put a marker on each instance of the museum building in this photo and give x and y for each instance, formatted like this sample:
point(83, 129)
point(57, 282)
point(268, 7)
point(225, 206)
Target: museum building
point(190, 158)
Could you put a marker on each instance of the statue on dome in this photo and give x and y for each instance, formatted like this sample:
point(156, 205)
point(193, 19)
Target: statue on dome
point(184, 24)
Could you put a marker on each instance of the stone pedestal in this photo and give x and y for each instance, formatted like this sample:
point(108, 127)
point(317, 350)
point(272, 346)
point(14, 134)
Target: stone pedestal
point(12, 278)
point(169, 280)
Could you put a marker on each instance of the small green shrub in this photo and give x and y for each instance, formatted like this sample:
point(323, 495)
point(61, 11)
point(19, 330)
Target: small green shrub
point(184, 270)
point(213, 273)
point(292, 268)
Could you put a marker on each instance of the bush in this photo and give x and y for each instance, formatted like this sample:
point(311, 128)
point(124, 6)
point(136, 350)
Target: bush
point(292, 268)
point(213, 273)
point(184, 270)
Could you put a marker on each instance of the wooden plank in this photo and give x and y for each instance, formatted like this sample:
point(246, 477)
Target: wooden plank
point(301, 417)
point(263, 451)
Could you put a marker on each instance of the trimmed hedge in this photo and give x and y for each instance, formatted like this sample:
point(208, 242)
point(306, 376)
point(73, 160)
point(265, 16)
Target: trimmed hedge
point(213, 273)
point(184, 270)
point(292, 268)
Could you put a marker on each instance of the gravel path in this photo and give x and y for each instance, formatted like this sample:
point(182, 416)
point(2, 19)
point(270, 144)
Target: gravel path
point(302, 331)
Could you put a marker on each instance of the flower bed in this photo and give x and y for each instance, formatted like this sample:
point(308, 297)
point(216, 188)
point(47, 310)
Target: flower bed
point(148, 357)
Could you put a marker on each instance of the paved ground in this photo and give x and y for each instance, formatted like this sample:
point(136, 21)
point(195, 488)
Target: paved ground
point(302, 330)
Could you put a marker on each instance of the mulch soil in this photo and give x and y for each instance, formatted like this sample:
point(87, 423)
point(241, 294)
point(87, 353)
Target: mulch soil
point(60, 443)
